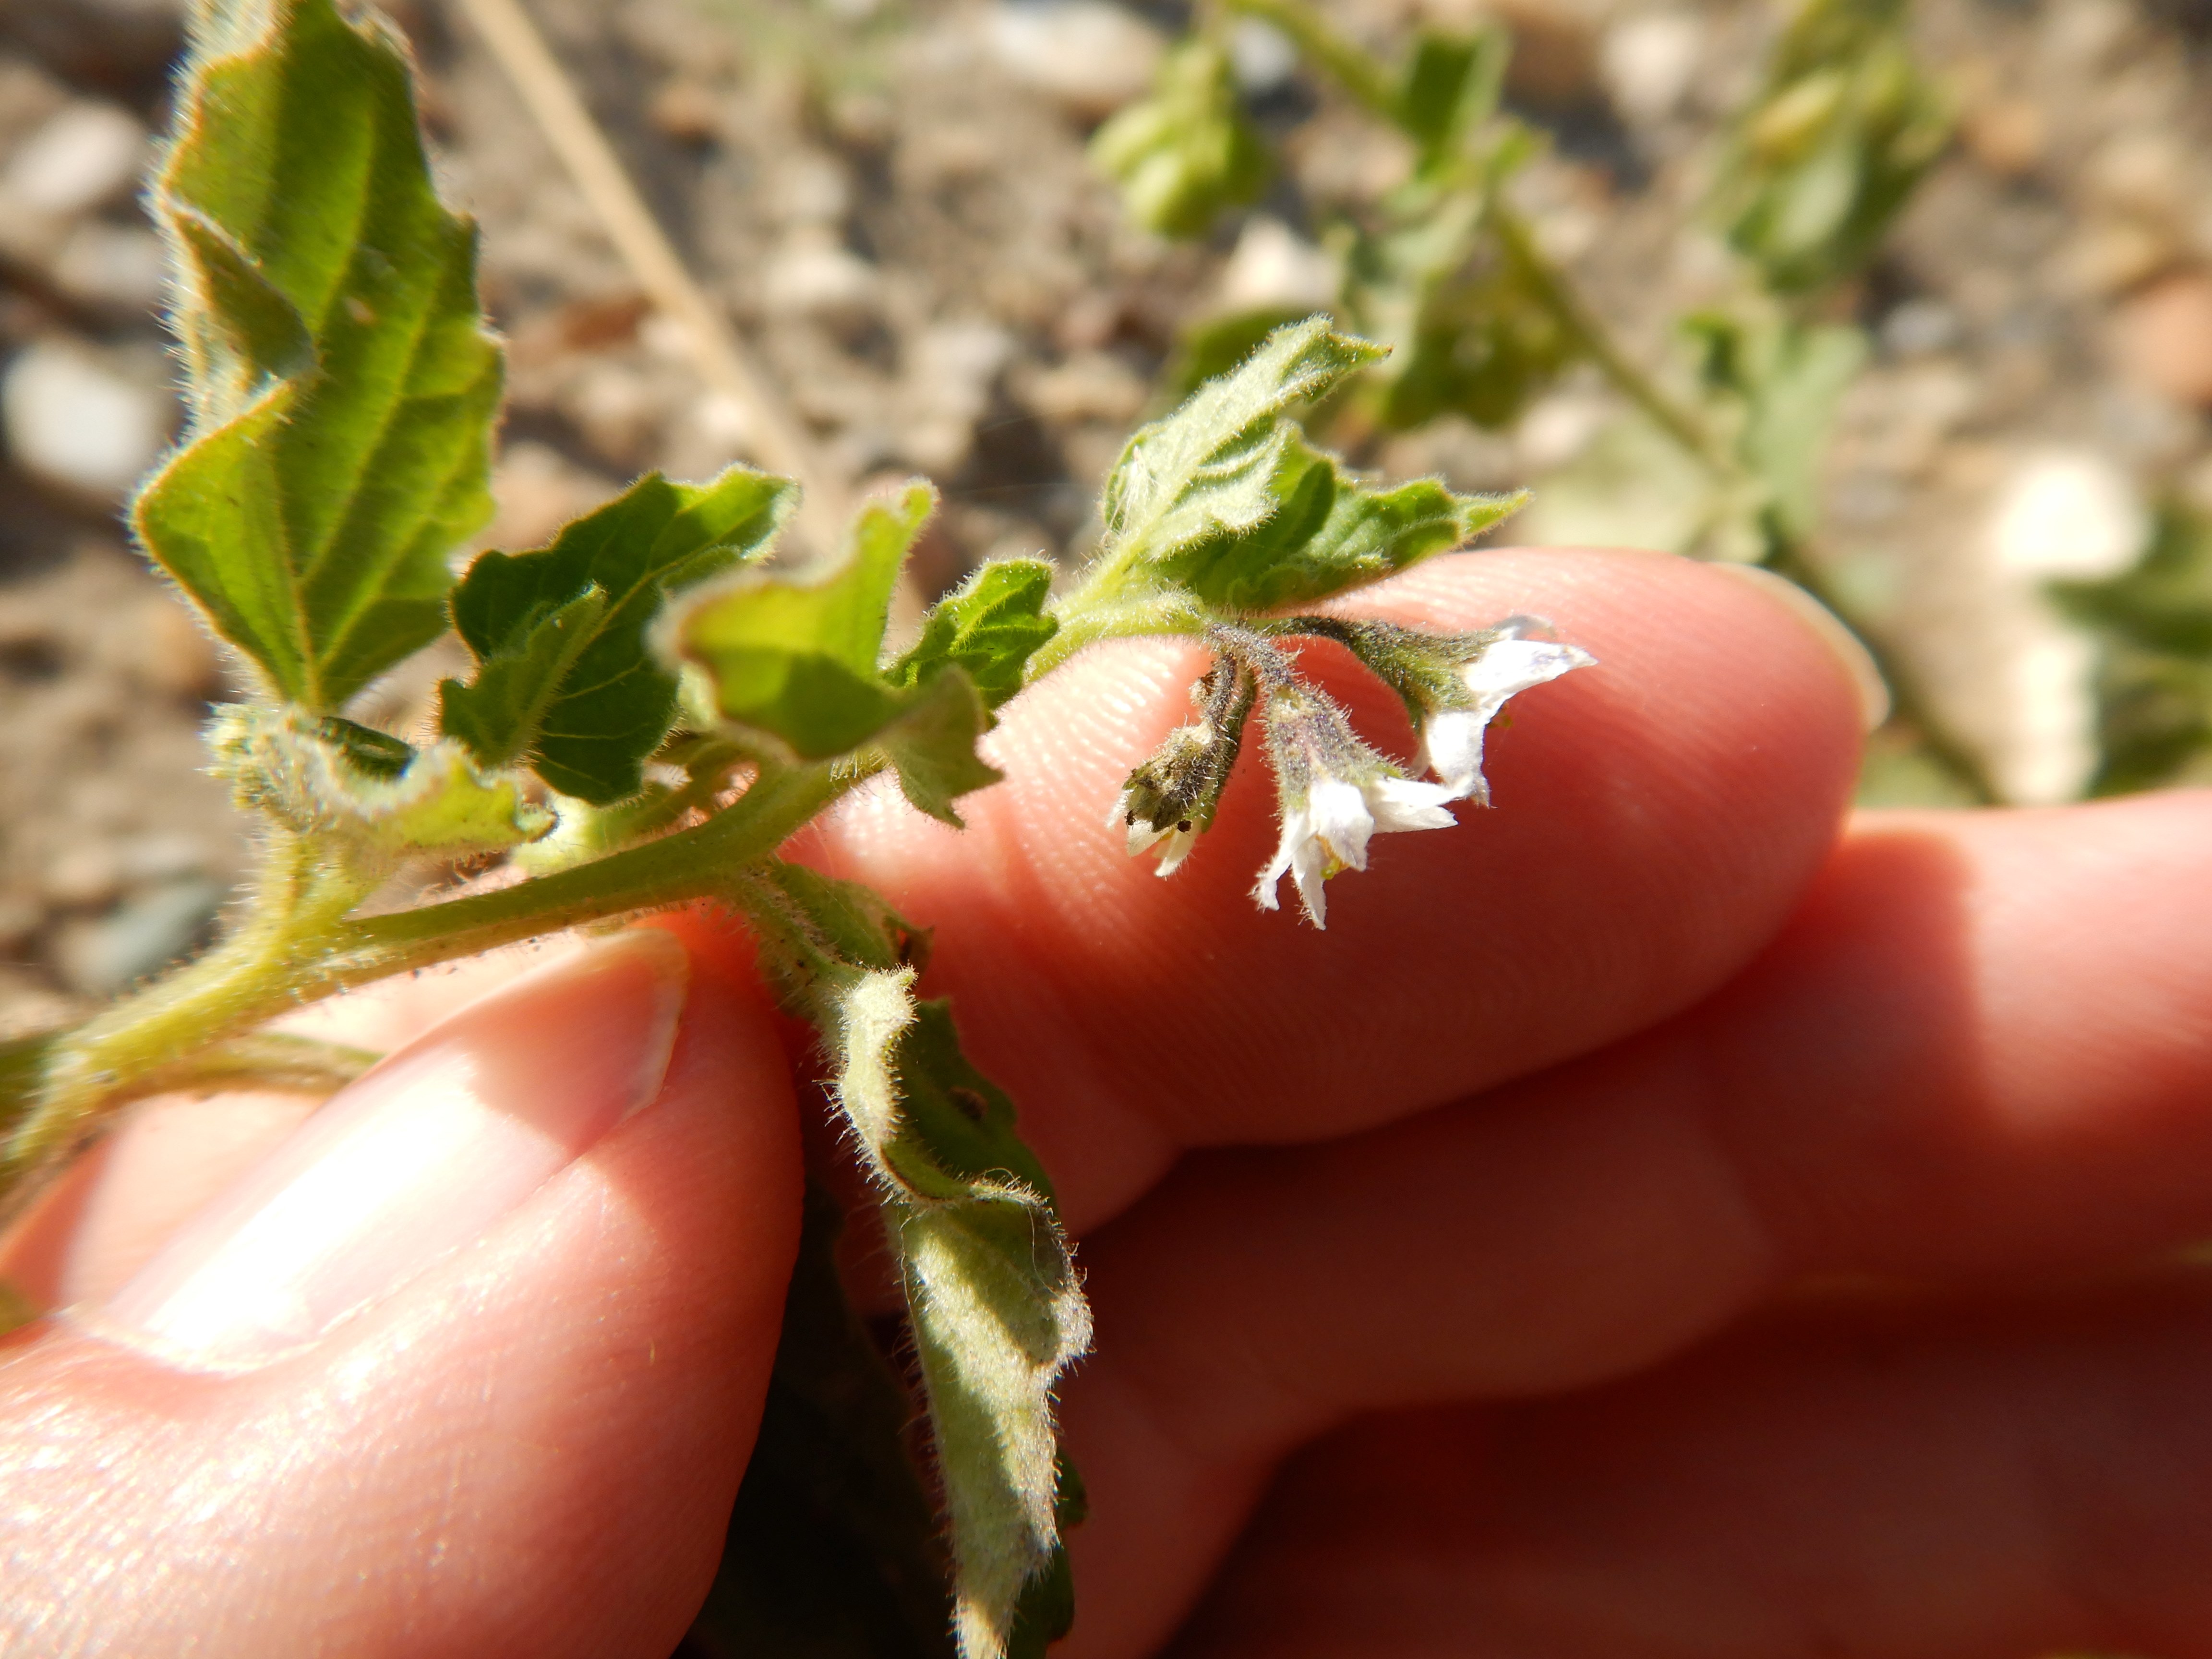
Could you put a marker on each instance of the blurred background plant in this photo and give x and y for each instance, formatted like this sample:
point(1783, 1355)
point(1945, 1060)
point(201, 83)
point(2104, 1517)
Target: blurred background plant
point(1911, 304)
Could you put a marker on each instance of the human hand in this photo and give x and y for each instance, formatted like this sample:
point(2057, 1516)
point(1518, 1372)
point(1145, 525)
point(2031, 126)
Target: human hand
point(1521, 1125)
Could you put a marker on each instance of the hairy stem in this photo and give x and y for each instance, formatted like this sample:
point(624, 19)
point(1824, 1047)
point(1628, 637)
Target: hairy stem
point(297, 943)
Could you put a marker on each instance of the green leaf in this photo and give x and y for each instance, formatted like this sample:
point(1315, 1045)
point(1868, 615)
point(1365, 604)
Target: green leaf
point(933, 743)
point(989, 628)
point(341, 386)
point(366, 791)
point(1331, 532)
point(1832, 147)
point(567, 680)
point(1451, 86)
point(833, 1550)
point(2154, 681)
point(1210, 466)
point(1186, 154)
point(1215, 346)
point(794, 658)
point(997, 1311)
point(1787, 379)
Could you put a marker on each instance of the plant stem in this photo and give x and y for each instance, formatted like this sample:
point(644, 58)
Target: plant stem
point(1355, 69)
point(297, 944)
point(1550, 288)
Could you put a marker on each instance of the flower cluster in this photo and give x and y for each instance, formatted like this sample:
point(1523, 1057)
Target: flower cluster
point(1334, 792)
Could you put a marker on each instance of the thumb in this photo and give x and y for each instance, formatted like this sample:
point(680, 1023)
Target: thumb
point(469, 1365)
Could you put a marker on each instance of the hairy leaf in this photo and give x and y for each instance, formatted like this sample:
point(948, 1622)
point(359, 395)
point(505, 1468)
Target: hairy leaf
point(340, 384)
point(833, 1550)
point(1210, 466)
point(989, 628)
point(933, 743)
point(1331, 532)
point(794, 657)
point(997, 1310)
point(1185, 153)
point(566, 679)
point(792, 662)
point(366, 790)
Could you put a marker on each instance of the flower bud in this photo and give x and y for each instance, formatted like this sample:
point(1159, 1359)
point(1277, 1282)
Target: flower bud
point(1171, 799)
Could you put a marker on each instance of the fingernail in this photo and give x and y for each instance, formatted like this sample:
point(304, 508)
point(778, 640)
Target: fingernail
point(415, 1159)
point(1857, 661)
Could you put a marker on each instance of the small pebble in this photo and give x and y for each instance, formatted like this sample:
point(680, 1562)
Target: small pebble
point(1088, 57)
point(2163, 336)
point(120, 267)
point(140, 937)
point(1273, 266)
point(73, 422)
point(1648, 62)
point(814, 275)
point(88, 154)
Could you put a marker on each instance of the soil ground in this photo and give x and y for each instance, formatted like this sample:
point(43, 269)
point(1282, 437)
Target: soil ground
point(893, 202)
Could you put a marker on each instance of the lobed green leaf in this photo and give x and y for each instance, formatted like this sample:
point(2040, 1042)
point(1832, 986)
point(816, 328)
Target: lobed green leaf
point(1210, 466)
point(340, 384)
point(794, 661)
point(989, 628)
point(1184, 155)
point(998, 1313)
point(1330, 532)
point(794, 657)
point(566, 677)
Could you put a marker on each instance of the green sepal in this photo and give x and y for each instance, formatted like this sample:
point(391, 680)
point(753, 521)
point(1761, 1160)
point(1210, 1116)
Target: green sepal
point(1186, 154)
point(341, 384)
point(331, 779)
point(988, 628)
point(566, 681)
point(1210, 466)
point(1329, 533)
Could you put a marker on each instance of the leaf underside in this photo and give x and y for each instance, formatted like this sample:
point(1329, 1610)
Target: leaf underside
point(343, 385)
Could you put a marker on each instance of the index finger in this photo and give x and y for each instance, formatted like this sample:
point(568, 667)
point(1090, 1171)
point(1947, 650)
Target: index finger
point(1657, 816)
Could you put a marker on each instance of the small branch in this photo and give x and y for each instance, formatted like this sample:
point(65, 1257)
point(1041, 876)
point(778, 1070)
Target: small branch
point(1552, 290)
point(776, 437)
point(1356, 71)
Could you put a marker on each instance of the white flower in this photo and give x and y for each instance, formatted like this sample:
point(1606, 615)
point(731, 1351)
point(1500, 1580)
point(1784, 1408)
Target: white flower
point(1179, 836)
point(1328, 829)
point(1451, 738)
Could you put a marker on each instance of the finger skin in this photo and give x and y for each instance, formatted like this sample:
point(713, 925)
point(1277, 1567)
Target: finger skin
point(1984, 1047)
point(530, 1448)
point(1950, 1482)
point(1657, 816)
